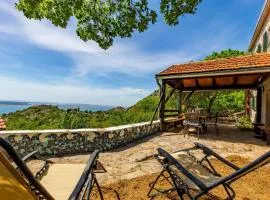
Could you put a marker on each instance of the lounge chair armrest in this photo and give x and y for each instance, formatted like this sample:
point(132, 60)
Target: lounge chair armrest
point(209, 152)
point(30, 156)
point(86, 176)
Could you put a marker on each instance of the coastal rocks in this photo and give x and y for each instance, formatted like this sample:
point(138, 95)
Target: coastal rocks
point(61, 142)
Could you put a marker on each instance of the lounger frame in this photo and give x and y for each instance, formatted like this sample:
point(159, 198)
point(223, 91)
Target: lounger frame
point(167, 161)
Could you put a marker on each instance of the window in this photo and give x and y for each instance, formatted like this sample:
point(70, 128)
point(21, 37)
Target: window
point(265, 42)
point(259, 49)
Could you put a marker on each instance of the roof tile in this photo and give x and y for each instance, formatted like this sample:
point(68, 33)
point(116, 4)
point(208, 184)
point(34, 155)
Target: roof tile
point(240, 62)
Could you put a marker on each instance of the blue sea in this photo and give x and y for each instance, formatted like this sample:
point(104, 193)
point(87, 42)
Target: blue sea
point(8, 108)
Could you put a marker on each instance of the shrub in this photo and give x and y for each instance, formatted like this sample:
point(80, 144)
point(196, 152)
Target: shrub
point(245, 123)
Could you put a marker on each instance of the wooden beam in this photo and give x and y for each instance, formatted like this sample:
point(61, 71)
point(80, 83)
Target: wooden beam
point(171, 115)
point(162, 106)
point(171, 110)
point(263, 77)
point(188, 96)
point(214, 82)
point(154, 115)
point(229, 87)
point(258, 80)
point(180, 99)
point(197, 83)
point(170, 95)
point(235, 80)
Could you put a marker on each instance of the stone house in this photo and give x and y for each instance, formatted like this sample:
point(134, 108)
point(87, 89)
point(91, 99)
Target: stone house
point(260, 43)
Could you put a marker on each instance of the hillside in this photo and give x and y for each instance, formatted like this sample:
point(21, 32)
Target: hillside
point(52, 117)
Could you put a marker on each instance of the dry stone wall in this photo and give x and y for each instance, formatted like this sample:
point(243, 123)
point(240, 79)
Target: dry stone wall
point(62, 142)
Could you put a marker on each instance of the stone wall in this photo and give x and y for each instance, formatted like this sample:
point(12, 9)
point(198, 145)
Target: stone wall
point(60, 142)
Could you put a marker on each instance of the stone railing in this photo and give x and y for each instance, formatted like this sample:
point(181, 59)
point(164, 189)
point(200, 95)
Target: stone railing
point(63, 141)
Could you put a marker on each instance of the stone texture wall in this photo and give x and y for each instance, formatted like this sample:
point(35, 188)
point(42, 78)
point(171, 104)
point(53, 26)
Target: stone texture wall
point(61, 142)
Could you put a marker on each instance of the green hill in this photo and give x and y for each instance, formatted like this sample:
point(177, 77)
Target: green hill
point(52, 117)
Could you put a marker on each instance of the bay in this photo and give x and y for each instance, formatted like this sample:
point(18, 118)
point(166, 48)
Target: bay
point(6, 108)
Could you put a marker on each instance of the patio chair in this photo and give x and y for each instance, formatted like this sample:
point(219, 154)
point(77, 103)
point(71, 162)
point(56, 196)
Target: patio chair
point(192, 175)
point(18, 182)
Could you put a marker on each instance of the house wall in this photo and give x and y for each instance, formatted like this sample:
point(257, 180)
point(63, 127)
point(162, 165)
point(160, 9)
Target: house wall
point(266, 83)
point(60, 142)
point(266, 87)
point(266, 28)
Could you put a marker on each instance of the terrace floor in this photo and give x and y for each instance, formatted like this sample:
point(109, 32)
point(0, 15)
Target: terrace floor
point(135, 160)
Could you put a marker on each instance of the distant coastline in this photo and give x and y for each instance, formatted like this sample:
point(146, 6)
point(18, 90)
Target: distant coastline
point(13, 106)
point(9, 103)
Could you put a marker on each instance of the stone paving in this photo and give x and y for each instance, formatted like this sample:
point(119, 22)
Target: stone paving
point(136, 159)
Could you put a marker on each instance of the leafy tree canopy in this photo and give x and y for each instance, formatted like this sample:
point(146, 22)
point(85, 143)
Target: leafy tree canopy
point(228, 53)
point(104, 20)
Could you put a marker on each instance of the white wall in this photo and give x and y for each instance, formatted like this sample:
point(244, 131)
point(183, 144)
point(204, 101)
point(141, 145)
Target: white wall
point(266, 86)
point(266, 83)
point(260, 39)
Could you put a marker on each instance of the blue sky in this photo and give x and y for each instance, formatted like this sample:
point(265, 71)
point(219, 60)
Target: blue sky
point(39, 62)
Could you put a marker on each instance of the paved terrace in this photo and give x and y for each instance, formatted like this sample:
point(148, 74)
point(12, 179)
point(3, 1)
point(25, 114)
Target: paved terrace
point(135, 159)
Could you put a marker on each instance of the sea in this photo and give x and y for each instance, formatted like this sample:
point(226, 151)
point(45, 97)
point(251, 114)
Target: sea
point(8, 107)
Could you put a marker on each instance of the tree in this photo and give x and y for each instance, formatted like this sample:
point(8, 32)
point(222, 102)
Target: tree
point(104, 20)
point(225, 54)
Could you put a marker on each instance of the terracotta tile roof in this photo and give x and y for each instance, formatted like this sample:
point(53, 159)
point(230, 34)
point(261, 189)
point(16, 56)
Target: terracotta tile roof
point(2, 124)
point(240, 62)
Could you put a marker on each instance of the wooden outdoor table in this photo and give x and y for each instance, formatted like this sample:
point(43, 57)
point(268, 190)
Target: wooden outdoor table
point(200, 126)
point(201, 118)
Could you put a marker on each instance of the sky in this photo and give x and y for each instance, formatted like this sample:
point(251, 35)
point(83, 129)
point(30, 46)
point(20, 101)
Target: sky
point(43, 63)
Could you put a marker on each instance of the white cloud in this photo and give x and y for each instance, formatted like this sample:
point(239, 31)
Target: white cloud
point(15, 89)
point(88, 57)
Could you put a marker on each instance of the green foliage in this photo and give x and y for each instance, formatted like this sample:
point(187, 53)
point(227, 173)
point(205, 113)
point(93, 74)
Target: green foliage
point(245, 123)
point(36, 117)
point(224, 103)
point(225, 54)
point(104, 20)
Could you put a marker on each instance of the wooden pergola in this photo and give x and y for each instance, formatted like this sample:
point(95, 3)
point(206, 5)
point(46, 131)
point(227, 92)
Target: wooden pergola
point(243, 72)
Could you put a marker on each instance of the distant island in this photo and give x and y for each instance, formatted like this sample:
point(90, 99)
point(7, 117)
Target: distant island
point(14, 103)
point(7, 107)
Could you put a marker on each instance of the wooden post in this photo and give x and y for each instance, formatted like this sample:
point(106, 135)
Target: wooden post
point(258, 111)
point(180, 102)
point(259, 104)
point(162, 106)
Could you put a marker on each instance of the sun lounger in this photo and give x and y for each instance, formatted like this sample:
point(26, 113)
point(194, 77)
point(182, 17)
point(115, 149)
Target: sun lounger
point(18, 182)
point(192, 174)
